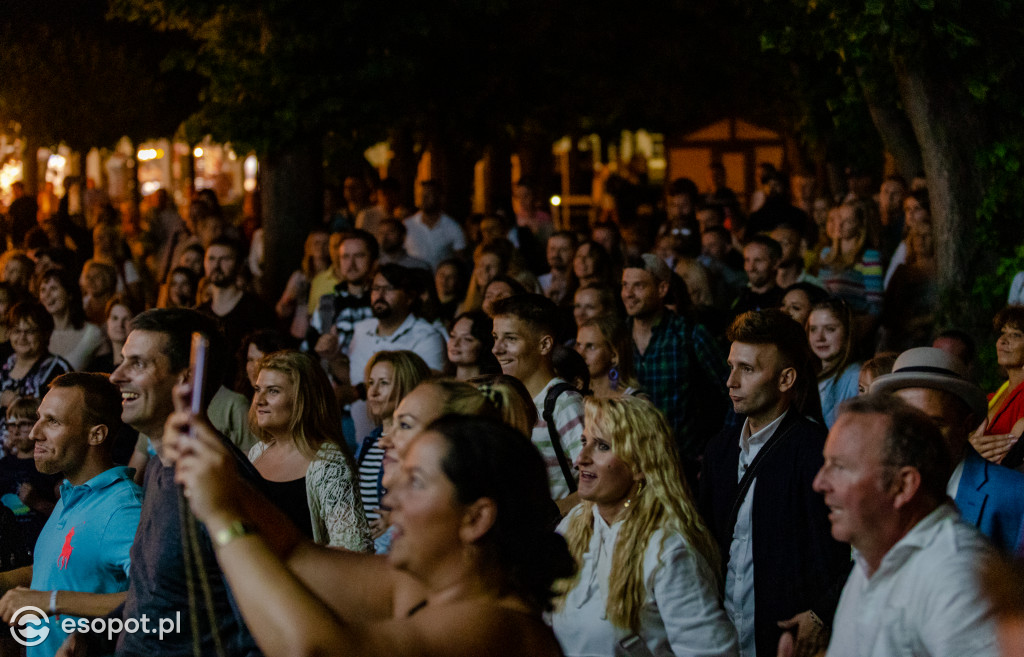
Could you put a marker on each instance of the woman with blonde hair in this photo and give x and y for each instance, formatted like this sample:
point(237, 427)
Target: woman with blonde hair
point(301, 451)
point(511, 398)
point(648, 565)
point(389, 376)
point(607, 347)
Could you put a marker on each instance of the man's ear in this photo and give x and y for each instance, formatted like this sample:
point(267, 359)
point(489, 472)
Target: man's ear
point(546, 344)
point(663, 287)
point(478, 520)
point(906, 485)
point(98, 434)
point(787, 379)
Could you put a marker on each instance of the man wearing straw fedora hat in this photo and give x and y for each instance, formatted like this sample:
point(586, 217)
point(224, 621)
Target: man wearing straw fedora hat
point(989, 496)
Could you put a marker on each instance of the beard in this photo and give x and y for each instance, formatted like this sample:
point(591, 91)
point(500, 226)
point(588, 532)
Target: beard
point(382, 310)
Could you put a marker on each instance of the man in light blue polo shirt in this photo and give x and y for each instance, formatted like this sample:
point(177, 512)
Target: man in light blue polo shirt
point(80, 564)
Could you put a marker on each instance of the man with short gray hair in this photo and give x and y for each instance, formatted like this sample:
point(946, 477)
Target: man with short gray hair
point(912, 590)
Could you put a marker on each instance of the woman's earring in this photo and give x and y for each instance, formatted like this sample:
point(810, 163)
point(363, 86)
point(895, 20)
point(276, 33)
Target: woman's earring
point(613, 378)
point(639, 489)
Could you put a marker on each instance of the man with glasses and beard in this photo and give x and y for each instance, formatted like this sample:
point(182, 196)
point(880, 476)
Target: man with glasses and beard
point(395, 300)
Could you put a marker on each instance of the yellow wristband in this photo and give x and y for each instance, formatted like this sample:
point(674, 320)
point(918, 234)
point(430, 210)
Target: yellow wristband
point(236, 529)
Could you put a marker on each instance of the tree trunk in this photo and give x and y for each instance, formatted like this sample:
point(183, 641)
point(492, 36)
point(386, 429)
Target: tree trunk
point(30, 165)
point(893, 127)
point(291, 190)
point(404, 164)
point(950, 133)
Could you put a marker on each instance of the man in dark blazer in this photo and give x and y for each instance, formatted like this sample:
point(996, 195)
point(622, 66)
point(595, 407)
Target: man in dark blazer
point(989, 496)
point(783, 569)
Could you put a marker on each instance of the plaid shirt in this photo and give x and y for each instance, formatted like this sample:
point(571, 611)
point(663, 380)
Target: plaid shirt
point(664, 372)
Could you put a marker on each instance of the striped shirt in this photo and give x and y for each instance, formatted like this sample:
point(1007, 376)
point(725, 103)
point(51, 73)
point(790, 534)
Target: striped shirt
point(860, 285)
point(568, 416)
point(370, 463)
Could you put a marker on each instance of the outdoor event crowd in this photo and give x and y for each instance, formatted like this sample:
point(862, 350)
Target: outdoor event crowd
point(698, 427)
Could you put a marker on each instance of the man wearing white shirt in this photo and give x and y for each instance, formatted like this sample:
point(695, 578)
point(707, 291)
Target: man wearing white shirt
point(393, 327)
point(913, 589)
point(782, 568)
point(432, 235)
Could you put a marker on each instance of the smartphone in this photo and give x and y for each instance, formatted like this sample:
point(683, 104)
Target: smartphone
point(197, 365)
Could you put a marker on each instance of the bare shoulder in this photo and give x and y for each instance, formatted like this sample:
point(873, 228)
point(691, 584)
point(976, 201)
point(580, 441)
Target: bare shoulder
point(466, 629)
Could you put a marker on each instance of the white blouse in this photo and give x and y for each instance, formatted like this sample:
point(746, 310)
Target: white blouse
point(682, 613)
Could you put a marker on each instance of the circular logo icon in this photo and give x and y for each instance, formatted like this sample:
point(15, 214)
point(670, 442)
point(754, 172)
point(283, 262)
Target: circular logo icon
point(29, 626)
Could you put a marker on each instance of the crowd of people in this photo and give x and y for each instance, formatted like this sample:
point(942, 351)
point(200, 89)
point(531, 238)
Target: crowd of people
point(687, 429)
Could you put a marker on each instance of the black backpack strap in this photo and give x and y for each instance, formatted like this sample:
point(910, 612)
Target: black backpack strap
point(748, 477)
point(549, 418)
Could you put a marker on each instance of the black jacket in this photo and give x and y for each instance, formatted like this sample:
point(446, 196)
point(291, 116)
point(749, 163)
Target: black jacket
point(797, 564)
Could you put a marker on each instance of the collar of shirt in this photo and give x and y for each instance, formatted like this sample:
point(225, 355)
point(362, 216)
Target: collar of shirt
point(402, 329)
point(750, 445)
point(71, 494)
point(954, 481)
point(925, 532)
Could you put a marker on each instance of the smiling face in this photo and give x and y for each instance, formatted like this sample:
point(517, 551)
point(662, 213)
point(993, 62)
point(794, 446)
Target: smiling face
point(853, 479)
point(495, 292)
point(797, 305)
point(60, 434)
point(26, 339)
point(53, 296)
point(463, 347)
point(642, 294)
point(487, 266)
point(1010, 347)
point(584, 263)
point(826, 335)
point(597, 352)
point(18, 433)
point(414, 413)
point(518, 347)
point(605, 480)
point(274, 402)
point(146, 382)
point(587, 305)
point(380, 386)
point(425, 513)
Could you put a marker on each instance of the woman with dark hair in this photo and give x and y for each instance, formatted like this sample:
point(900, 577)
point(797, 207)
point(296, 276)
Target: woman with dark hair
point(180, 290)
point(799, 298)
point(490, 260)
point(73, 338)
point(119, 312)
point(470, 571)
point(301, 452)
point(31, 367)
point(469, 346)
point(1005, 421)
point(829, 332)
point(450, 281)
point(592, 264)
point(501, 287)
point(254, 347)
